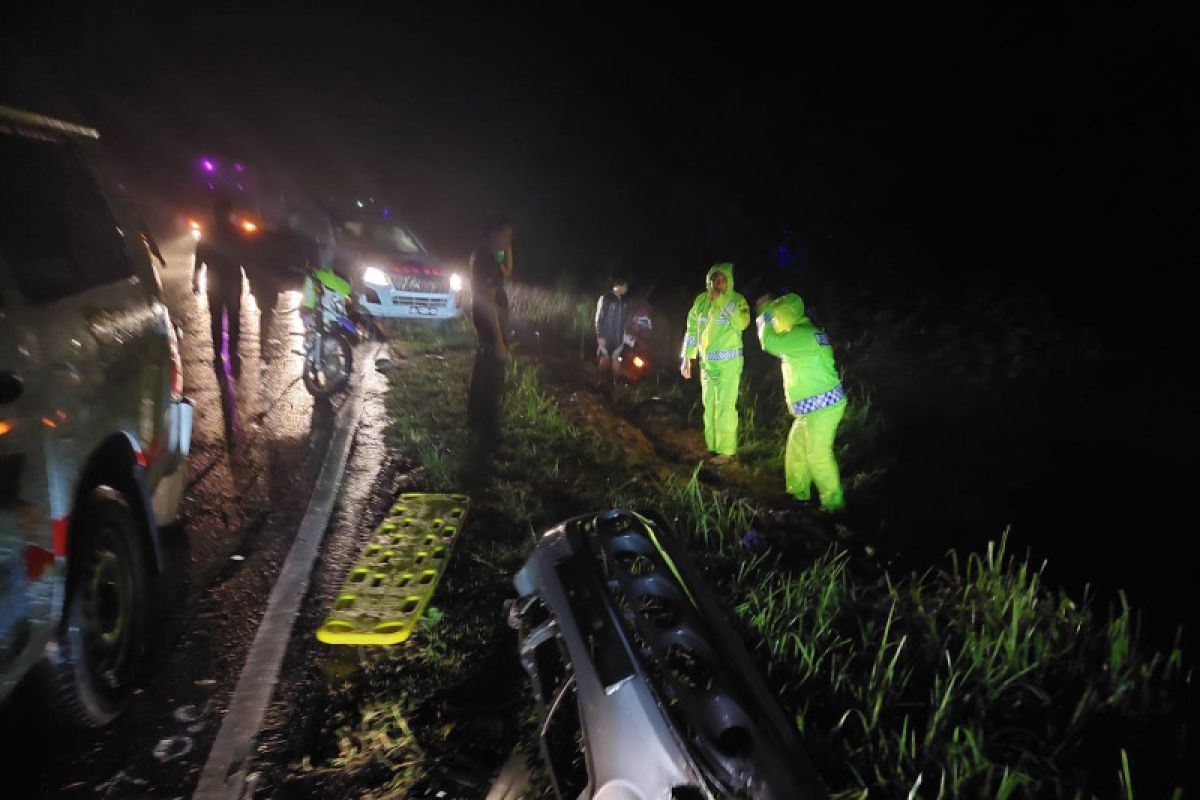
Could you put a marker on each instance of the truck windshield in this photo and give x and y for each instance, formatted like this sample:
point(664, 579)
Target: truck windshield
point(391, 237)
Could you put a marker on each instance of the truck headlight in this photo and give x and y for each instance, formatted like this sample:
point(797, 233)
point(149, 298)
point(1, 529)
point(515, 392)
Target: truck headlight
point(373, 276)
point(455, 282)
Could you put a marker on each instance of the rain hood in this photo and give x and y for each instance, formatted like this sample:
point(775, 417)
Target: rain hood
point(787, 312)
point(715, 325)
point(713, 270)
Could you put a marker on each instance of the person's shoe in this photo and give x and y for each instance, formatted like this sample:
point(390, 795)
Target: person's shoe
point(834, 503)
point(719, 459)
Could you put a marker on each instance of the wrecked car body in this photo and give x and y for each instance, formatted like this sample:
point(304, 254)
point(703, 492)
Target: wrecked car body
point(643, 688)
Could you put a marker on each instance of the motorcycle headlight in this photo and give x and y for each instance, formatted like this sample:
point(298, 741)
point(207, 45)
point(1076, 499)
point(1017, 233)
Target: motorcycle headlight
point(373, 276)
point(455, 282)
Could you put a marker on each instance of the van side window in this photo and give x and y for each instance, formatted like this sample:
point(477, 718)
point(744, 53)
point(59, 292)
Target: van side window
point(57, 232)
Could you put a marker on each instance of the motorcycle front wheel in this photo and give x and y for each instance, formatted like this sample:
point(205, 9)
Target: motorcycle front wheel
point(328, 371)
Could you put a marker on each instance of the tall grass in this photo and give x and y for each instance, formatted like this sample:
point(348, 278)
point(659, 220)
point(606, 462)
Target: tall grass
point(427, 396)
point(971, 679)
point(714, 521)
point(558, 314)
point(536, 415)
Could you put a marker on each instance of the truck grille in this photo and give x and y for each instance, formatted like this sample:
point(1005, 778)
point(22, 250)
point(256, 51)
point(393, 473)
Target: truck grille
point(420, 283)
point(419, 300)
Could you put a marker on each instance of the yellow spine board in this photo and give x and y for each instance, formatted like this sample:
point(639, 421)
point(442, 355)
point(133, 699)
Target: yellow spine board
point(390, 585)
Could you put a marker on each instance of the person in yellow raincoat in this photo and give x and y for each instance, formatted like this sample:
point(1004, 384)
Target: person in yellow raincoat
point(714, 335)
point(814, 394)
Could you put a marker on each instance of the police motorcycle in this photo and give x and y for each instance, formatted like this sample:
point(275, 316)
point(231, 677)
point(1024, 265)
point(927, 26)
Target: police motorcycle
point(329, 340)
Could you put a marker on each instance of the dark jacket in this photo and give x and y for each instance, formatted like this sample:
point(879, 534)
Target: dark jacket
point(610, 319)
point(224, 252)
point(489, 300)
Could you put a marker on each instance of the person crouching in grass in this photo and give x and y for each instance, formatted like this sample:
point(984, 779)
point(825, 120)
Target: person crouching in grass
point(814, 395)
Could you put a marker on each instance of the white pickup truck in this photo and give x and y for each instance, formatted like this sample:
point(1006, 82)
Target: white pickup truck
point(94, 429)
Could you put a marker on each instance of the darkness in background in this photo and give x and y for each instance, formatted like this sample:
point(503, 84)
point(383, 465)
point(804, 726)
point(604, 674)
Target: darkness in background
point(1036, 140)
point(1040, 151)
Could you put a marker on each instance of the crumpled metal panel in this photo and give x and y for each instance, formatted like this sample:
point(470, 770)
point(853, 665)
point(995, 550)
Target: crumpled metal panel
point(669, 703)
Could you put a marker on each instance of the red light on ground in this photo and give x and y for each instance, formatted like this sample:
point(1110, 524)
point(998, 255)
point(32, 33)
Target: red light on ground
point(638, 362)
point(5, 427)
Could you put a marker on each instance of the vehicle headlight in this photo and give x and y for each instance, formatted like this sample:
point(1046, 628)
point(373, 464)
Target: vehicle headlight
point(455, 282)
point(374, 276)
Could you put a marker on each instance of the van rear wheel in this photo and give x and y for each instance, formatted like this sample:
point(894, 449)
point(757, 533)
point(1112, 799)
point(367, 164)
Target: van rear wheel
point(99, 650)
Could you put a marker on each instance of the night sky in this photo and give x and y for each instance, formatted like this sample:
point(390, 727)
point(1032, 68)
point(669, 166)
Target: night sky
point(1037, 141)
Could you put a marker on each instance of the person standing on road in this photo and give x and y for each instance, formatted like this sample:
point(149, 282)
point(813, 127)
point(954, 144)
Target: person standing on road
point(221, 251)
point(491, 267)
point(814, 394)
point(610, 330)
point(714, 334)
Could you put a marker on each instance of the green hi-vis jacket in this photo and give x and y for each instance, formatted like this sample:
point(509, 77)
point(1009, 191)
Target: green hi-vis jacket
point(329, 280)
point(714, 327)
point(810, 378)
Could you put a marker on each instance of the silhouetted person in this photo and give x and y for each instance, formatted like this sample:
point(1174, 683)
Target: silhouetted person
point(491, 266)
point(610, 328)
point(221, 250)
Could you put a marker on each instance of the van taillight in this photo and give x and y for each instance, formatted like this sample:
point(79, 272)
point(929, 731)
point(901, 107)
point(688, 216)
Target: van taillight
point(176, 362)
